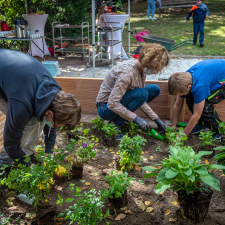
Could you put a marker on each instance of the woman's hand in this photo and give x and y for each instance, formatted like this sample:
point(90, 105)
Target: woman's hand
point(160, 124)
point(141, 123)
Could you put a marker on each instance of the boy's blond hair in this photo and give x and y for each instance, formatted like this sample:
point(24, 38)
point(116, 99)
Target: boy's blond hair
point(154, 57)
point(66, 109)
point(178, 83)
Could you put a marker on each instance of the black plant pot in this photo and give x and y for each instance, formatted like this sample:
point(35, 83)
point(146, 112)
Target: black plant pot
point(46, 216)
point(194, 206)
point(77, 170)
point(119, 202)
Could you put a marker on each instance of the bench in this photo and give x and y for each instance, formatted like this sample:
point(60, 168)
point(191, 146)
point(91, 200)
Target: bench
point(166, 4)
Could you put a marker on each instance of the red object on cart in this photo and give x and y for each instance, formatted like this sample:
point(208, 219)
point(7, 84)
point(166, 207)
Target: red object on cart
point(136, 56)
point(138, 36)
point(110, 9)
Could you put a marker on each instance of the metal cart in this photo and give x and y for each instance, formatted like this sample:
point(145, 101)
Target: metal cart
point(76, 39)
point(106, 42)
point(169, 44)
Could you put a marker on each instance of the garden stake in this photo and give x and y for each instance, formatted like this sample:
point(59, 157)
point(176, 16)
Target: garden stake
point(154, 134)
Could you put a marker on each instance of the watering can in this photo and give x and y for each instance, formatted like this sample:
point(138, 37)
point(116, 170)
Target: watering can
point(138, 36)
point(154, 134)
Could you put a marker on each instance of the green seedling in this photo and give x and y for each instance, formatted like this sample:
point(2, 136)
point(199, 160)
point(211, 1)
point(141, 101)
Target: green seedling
point(86, 208)
point(222, 127)
point(130, 151)
point(206, 138)
point(118, 183)
point(220, 157)
point(110, 130)
point(132, 129)
point(97, 123)
point(176, 138)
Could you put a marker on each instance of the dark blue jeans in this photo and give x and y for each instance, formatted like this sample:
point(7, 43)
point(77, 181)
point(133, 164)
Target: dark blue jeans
point(198, 28)
point(132, 100)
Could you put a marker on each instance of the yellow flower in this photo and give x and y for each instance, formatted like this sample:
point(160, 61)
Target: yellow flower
point(60, 170)
point(44, 185)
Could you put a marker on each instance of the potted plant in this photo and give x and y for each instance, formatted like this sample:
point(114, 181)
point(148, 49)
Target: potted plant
point(87, 209)
point(130, 150)
point(84, 151)
point(110, 131)
point(183, 172)
point(118, 185)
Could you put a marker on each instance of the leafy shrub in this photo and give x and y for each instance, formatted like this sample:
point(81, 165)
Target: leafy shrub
point(183, 171)
point(97, 123)
point(110, 130)
point(130, 151)
point(206, 138)
point(176, 138)
point(132, 129)
point(118, 183)
point(222, 127)
point(87, 210)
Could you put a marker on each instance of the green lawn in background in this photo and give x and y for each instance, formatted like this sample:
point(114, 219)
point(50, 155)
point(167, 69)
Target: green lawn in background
point(172, 24)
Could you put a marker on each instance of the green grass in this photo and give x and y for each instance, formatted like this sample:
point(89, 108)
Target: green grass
point(172, 25)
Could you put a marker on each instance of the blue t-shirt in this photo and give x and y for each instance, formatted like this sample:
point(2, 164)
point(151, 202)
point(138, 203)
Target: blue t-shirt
point(205, 77)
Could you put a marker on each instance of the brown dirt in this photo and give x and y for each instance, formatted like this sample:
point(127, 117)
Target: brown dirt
point(95, 171)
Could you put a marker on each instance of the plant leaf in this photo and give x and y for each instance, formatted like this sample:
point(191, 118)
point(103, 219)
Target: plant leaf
point(170, 174)
point(211, 180)
point(162, 186)
point(149, 168)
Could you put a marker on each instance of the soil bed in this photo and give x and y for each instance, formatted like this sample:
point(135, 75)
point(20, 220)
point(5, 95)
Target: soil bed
point(140, 190)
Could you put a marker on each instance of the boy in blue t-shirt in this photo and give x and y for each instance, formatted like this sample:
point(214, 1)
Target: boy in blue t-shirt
point(199, 12)
point(202, 86)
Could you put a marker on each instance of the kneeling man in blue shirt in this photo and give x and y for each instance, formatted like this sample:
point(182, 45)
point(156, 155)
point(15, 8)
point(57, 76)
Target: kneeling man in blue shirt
point(203, 85)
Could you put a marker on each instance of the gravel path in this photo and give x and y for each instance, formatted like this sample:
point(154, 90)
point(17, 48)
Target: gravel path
point(74, 68)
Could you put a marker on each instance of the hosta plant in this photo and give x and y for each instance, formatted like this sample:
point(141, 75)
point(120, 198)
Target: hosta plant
point(174, 137)
point(183, 170)
point(118, 183)
point(220, 157)
point(86, 208)
point(130, 150)
point(206, 138)
point(97, 123)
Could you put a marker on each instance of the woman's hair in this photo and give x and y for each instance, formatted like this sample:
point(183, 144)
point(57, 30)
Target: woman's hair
point(178, 83)
point(66, 109)
point(154, 57)
point(101, 10)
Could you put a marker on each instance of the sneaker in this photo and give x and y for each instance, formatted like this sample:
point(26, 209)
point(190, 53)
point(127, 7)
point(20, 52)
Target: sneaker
point(153, 18)
point(199, 128)
point(216, 137)
point(148, 18)
point(201, 44)
point(119, 136)
point(194, 44)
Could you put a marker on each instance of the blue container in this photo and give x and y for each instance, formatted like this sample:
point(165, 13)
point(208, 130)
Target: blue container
point(52, 67)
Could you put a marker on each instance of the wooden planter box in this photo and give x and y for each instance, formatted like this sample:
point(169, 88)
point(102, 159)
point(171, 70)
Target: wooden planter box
point(86, 90)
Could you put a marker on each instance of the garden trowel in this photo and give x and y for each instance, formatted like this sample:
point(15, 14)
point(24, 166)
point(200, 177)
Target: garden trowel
point(154, 134)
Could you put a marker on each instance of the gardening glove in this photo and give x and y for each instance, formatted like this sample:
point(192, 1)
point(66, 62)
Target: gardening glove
point(160, 124)
point(141, 123)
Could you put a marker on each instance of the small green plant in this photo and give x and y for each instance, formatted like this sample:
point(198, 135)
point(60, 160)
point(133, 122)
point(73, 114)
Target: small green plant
point(110, 130)
point(35, 181)
point(174, 137)
point(118, 183)
point(87, 210)
point(132, 129)
point(222, 128)
point(97, 123)
point(130, 151)
point(5, 220)
point(183, 171)
point(206, 138)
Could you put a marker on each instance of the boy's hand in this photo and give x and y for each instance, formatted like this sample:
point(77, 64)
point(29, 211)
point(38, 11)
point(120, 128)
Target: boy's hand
point(206, 16)
point(187, 21)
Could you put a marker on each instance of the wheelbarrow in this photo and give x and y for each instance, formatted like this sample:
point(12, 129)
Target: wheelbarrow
point(169, 44)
